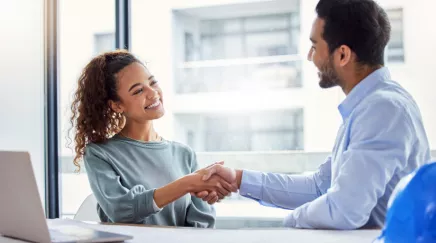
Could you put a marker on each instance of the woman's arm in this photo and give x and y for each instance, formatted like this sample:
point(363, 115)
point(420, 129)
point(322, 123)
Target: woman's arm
point(132, 205)
point(189, 183)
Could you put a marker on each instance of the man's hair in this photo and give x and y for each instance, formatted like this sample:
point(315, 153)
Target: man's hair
point(361, 25)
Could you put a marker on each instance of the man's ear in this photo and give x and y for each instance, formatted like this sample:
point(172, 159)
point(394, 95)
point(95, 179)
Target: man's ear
point(345, 55)
point(115, 106)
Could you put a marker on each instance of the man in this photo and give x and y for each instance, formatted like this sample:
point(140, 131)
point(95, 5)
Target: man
point(381, 139)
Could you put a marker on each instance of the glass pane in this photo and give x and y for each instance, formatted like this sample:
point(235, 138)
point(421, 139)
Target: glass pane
point(274, 140)
point(239, 39)
point(261, 36)
point(395, 48)
point(91, 32)
point(277, 120)
point(258, 131)
point(267, 23)
point(268, 44)
point(189, 47)
point(240, 77)
point(221, 47)
point(104, 42)
point(217, 27)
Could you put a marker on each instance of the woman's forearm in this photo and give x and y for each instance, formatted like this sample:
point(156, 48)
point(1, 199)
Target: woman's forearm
point(190, 183)
point(175, 190)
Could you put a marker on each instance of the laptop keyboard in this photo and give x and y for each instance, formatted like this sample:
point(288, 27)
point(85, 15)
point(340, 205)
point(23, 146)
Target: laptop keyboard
point(57, 236)
point(67, 232)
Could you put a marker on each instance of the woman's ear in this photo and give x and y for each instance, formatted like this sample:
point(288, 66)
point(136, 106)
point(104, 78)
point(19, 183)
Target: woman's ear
point(115, 106)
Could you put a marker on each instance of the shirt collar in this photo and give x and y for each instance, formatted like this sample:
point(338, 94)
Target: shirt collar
point(359, 92)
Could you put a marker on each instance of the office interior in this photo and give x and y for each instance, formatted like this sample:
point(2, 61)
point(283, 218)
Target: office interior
point(212, 58)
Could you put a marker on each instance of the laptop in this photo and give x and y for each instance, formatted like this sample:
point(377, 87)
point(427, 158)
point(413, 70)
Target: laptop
point(21, 212)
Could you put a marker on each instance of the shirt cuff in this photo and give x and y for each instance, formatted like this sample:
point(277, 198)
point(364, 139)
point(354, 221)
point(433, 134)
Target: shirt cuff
point(290, 221)
point(251, 184)
point(155, 207)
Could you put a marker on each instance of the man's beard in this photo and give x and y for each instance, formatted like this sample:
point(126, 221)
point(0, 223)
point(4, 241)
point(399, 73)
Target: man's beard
point(328, 77)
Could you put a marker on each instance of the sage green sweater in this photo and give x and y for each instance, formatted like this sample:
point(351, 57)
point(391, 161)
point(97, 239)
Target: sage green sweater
point(124, 173)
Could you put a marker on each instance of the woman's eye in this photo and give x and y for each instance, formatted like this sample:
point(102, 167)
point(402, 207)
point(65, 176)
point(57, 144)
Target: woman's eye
point(138, 91)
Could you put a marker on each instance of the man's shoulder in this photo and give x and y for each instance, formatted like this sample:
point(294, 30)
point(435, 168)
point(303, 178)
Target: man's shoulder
point(389, 96)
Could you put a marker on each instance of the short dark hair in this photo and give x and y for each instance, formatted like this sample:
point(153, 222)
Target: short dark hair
point(362, 25)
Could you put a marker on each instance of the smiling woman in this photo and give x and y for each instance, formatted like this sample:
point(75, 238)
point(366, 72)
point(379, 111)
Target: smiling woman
point(136, 175)
point(140, 97)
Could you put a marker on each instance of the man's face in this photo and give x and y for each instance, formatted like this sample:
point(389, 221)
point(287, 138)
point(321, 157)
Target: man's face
point(319, 55)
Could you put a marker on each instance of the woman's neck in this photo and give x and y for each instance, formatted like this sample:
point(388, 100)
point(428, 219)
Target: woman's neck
point(140, 131)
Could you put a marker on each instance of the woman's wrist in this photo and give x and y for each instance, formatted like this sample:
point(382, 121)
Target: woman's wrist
point(173, 191)
point(187, 183)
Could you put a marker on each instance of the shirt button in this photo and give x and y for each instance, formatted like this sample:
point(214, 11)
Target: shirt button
point(249, 194)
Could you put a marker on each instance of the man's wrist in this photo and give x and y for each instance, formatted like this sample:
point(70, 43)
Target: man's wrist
point(239, 178)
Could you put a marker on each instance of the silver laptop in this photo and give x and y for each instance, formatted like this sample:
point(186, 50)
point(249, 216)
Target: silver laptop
point(21, 212)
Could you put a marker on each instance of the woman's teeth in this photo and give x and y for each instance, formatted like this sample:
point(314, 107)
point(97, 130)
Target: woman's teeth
point(153, 105)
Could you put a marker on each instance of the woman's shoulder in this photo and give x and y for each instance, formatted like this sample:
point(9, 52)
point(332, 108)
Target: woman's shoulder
point(99, 147)
point(181, 147)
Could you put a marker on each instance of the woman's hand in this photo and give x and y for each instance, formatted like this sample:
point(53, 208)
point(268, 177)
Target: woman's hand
point(212, 190)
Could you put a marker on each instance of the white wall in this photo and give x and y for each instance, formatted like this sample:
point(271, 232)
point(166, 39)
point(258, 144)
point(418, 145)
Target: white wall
point(22, 81)
point(417, 74)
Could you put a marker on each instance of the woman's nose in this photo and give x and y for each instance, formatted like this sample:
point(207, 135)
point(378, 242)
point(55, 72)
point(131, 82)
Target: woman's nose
point(151, 93)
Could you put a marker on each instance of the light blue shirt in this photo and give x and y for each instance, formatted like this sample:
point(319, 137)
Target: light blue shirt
point(381, 140)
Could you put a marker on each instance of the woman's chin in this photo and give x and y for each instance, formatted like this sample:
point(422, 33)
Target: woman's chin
point(155, 114)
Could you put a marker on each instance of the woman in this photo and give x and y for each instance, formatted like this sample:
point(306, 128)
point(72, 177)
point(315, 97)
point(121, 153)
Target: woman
point(135, 174)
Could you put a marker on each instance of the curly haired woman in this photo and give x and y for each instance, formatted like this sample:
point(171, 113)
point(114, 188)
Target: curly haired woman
point(136, 175)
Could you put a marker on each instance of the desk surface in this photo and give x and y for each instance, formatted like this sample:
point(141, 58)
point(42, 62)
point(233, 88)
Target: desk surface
point(190, 235)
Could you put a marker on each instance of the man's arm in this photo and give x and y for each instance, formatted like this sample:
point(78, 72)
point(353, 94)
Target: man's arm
point(380, 142)
point(270, 189)
point(285, 191)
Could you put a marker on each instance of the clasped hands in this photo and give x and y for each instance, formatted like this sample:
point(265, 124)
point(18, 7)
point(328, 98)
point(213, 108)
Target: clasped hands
point(214, 183)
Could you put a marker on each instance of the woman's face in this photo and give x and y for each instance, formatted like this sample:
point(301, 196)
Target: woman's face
point(140, 96)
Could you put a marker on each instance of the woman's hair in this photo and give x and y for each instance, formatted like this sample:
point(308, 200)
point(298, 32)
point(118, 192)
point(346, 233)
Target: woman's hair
point(92, 119)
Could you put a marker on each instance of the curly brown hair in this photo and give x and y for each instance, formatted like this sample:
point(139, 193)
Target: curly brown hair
point(92, 119)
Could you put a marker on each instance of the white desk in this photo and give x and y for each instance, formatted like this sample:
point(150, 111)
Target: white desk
point(191, 235)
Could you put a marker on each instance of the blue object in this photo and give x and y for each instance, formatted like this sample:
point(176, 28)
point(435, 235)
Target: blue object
point(412, 215)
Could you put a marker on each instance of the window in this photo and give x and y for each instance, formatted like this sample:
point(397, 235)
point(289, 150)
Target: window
point(235, 91)
point(239, 53)
point(91, 32)
point(104, 42)
point(236, 68)
point(237, 84)
point(395, 48)
point(258, 131)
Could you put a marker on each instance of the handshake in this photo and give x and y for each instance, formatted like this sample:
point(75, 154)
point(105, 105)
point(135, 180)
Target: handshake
point(214, 182)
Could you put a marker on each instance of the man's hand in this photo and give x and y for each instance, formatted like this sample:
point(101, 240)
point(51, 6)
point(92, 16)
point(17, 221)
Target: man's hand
point(230, 175)
point(219, 169)
point(212, 190)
